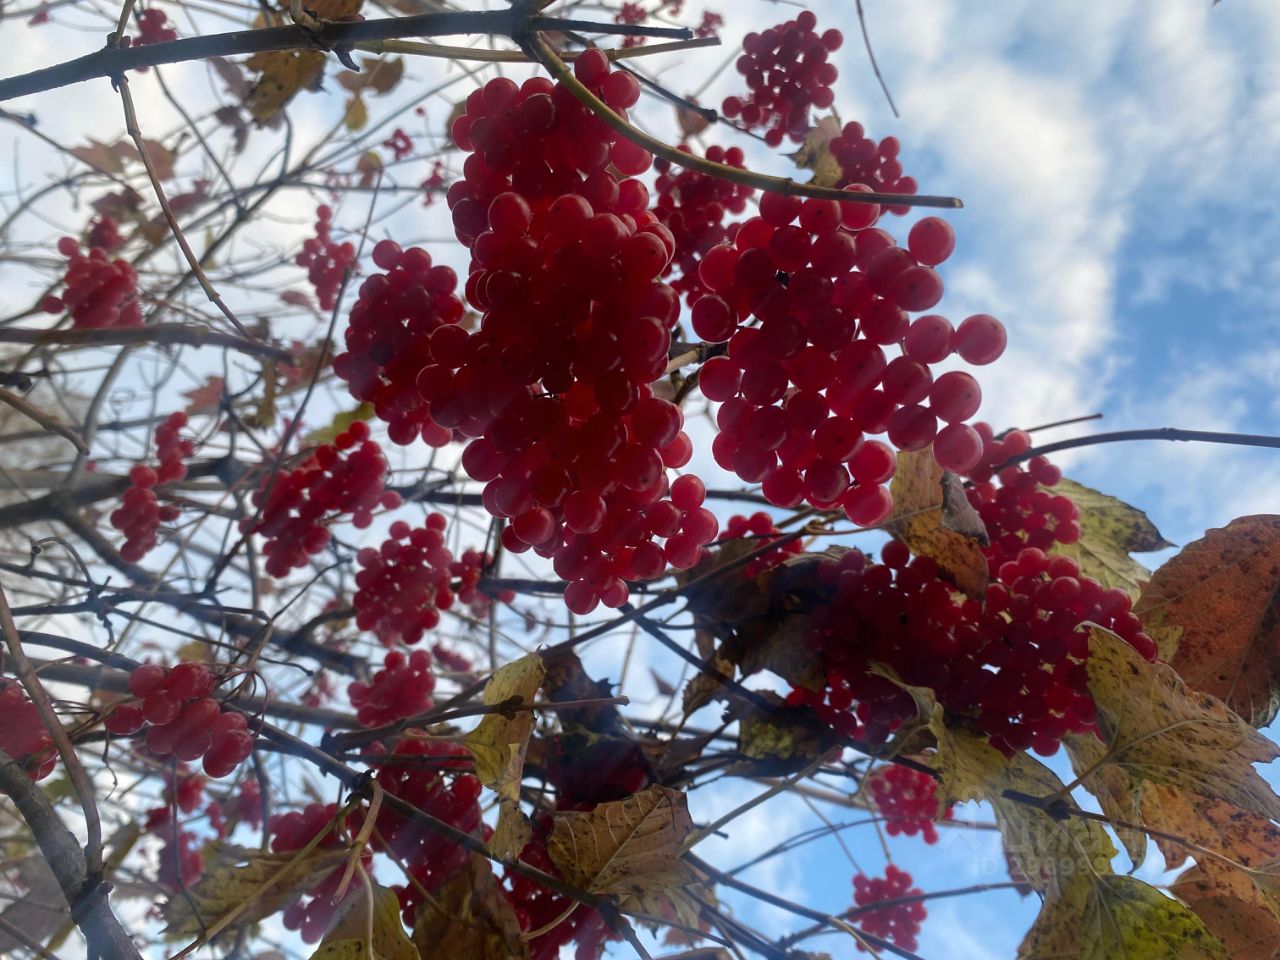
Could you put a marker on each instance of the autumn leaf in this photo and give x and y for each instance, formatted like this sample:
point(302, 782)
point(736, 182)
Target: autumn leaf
point(356, 114)
point(367, 927)
point(382, 75)
point(207, 396)
point(499, 743)
point(282, 74)
point(468, 918)
point(1119, 796)
point(1155, 729)
point(1110, 530)
point(780, 735)
point(934, 518)
point(1246, 928)
point(105, 157)
point(1117, 918)
point(628, 848)
point(1047, 850)
point(242, 886)
point(1215, 609)
point(815, 153)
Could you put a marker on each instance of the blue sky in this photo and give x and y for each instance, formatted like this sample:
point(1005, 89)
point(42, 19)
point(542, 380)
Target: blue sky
point(1117, 160)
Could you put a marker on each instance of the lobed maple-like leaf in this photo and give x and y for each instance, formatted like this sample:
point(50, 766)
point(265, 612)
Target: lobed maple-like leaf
point(1110, 530)
point(468, 918)
point(367, 927)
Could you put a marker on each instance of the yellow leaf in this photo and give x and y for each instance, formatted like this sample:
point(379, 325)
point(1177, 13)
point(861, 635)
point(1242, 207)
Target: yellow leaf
point(815, 153)
point(932, 516)
point(628, 847)
point(1216, 607)
point(1110, 530)
point(777, 734)
point(1156, 729)
point(357, 113)
point(1119, 796)
point(1117, 918)
point(367, 927)
point(468, 918)
point(282, 74)
point(499, 743)
point(242, 886)
point(1049, 851)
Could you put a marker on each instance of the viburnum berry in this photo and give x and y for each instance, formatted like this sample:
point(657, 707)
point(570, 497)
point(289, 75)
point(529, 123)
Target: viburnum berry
point(388, 339)
point(908, 801)
point(22, 734)
point(760, 525)
point(141, 512)
point(326, 260)
point(416, 772)
point(553, 389)
point(897, 922)
point(402, 688)
point(104, 232)
point(787, 74)
point(312, 913)
point(296, 506)
point(100, 292)
point(182, 718)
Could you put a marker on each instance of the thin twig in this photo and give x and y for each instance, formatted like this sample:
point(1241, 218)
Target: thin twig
point(871, 55)
point(46, 420)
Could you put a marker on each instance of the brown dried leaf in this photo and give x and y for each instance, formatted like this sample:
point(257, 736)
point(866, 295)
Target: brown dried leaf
point(786, 738)
point(468, 918)
point(929, 513)
point(625, 848)
point(381, 76)
point(232, 74)
point(1246, 929)
point(1219, 601)
point(357, 113)
point(348, 938)
point(815, 153)
point(162, 159)
point(282, 74)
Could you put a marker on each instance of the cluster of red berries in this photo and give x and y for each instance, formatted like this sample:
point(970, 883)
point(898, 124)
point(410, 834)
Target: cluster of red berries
point(104, 232)
point(570, 441)
point(537, 908)
point(415, 774)
point(587, 772)
point(181, 859)
point(388, 339)
point(760, 525)
point(141, 512)
point(296, 506)
point(802, 390)
point(897, 922)
point(693, 206)
point(326, 260)
point(399, 143)
point(101, 292)
point(403, 585)
point(402, 688)
point(908, 801)
point(294, 830)
point(23, 735)
point(1018, 508)
point(873, 165)
point(183, 719)
point(153, 27)
point(788, 74)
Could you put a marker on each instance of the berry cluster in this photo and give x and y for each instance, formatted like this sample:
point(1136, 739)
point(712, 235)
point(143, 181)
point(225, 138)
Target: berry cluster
point(388, 339)
point(537, 908)
point(693, 206)
point(908, 801)
point(402, 688)
point(326, 260)
point(100, 292)
point(569, 439)
point(296, 506)
point(804, 388)
point(141, 512)
point(417, 777)
point(760, 525)
point(898, 922)
point(469, 569)
point(402, 586)
point(872, 165)
point(787, 74)
point(293, 831)
point(1015, 661)
point(1019, 510)
point(183, 719)
point(104, 232)
point(399, 143)
point(23, 735)
point(153, 27)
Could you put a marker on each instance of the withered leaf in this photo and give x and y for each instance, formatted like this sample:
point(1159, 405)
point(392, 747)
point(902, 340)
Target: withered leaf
point(1110, 530)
